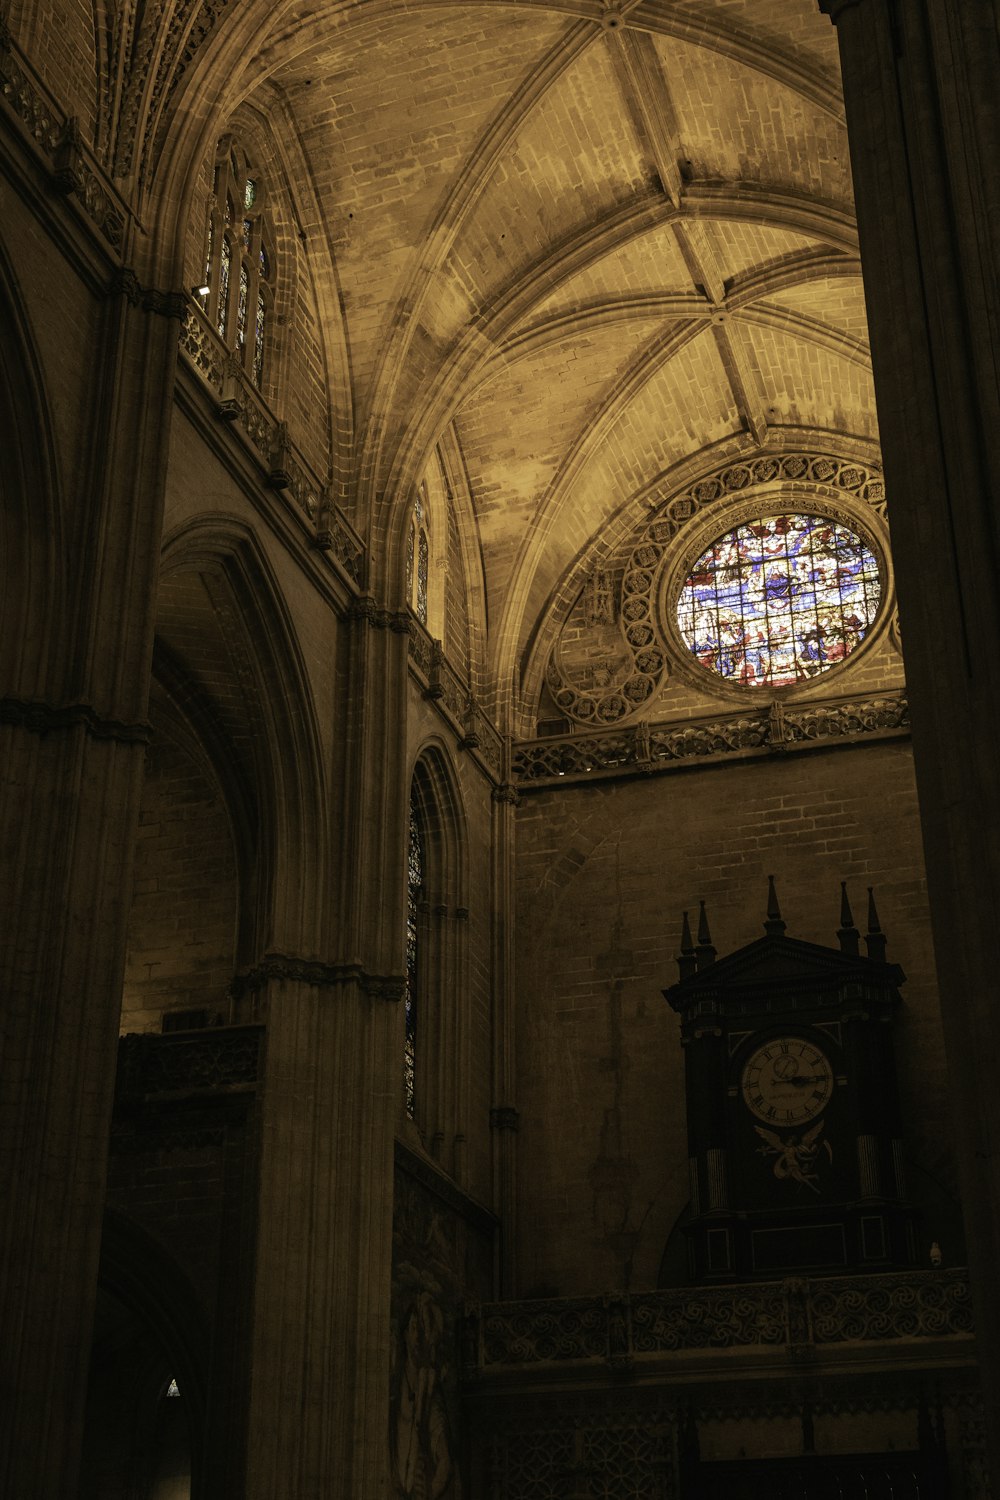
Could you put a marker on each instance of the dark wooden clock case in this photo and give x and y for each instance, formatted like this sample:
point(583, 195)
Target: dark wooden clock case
point(770, 1199)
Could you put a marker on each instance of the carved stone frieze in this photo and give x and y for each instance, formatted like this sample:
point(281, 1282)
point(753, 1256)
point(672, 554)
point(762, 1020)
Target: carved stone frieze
point(215, 1058)
point(277, 967)
point(125, 283)
point(47, 718)
point(660, 747)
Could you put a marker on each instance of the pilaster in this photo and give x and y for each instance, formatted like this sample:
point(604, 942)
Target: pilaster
point(924, 127)
point(503, 1115)
point(72, 752)
point(321, 1316)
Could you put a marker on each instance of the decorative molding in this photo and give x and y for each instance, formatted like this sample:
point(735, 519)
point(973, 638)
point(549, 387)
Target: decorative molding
point(277, 967)
point(507, 792)
point(126, 1136)
point(645, 660)
point(225, 1057)
point(46, 718)
point(370, 612)
point(793, 1315)
point(125, 283)
point(504, 1117)
point(647, 748)
point(58, 141)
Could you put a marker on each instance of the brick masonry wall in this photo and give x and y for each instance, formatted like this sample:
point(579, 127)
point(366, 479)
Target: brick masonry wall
point(604, 872)
point(183, 920)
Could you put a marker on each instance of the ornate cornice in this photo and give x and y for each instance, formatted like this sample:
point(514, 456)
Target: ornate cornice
point(764, 729)
point(368, 610)
point(47, 718)
point(125, 283)
point(277, 967)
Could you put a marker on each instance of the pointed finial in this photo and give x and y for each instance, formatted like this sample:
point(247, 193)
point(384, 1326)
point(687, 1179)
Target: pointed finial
point(847, 932)
point(704, 951)
point(687, 960)
point(774, 926)
point(874, 937)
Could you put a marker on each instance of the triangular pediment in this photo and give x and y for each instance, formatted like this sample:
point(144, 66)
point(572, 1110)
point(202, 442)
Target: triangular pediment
point(777, 961)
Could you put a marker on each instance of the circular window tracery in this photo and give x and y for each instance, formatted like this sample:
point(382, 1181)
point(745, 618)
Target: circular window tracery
point(779, 599)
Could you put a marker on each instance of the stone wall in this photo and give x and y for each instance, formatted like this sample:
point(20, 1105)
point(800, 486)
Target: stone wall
point(604, 872)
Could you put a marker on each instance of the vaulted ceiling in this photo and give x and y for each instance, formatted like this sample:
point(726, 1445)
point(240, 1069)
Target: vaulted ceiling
point(605, 245)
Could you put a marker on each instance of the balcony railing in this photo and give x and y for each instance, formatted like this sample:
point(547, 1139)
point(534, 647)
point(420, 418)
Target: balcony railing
point(222, 1059)
point(285, 467)
point(779, 1316)
point(647, 748)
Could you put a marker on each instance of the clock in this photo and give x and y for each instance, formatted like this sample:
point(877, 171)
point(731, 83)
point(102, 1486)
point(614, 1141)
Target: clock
point(794, 1134)
point(787, 1081)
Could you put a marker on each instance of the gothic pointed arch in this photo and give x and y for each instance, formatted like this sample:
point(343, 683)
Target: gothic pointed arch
point(247, 683)
point(434, 1048)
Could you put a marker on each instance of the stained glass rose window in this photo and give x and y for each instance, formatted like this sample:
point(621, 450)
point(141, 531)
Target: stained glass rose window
point(779, 600)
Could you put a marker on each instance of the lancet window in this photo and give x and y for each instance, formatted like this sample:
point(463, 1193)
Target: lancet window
point(414, 893)
point(418, 554)
point(237, 291)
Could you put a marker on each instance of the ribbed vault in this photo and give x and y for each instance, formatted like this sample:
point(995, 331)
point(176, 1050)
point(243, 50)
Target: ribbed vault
point(584, 243)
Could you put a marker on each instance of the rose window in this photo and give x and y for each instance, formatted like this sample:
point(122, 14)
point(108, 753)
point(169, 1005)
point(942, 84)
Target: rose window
point(779, 600)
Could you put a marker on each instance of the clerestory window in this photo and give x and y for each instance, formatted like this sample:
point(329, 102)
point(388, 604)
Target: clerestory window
point(239, 280)
point(418, 554)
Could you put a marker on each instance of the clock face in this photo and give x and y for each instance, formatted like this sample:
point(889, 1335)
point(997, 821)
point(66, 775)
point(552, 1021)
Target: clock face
point(787, 1081)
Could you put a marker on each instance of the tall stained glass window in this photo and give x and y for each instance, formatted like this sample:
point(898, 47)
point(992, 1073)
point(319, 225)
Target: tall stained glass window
point(418, 558)
point(779, 600)
point(239, 259)
point(241, 310)
point(223, 295)
point(414, 887)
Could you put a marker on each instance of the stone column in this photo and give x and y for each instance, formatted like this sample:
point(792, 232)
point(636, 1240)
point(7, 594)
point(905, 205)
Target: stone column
point(71, 752)
point(319, 1407)
point(503, 1114)
point(920, 86)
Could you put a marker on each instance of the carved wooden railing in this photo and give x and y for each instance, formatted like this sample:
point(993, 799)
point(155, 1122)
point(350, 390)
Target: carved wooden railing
point(285, 467)
point(780, 1315)
point(646, 748)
